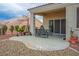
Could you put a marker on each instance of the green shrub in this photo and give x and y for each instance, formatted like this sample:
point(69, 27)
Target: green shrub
point(17, 28)
point(22, 28)
point(4, 28)
point(11, 28)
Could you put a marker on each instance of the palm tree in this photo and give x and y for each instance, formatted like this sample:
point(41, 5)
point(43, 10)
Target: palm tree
point(11, 28)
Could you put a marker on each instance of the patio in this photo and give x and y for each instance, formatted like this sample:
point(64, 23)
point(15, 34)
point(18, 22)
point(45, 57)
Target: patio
point(37, 43)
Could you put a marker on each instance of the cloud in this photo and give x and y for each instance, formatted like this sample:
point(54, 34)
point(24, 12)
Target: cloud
point(11, 10)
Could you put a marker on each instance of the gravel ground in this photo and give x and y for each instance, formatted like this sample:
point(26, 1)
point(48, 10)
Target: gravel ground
point(16, 48)
point(7, 36)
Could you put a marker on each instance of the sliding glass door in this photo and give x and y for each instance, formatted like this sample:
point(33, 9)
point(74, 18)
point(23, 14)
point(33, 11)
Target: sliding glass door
point(63, 27)
point(57, 26)
point(51, 26)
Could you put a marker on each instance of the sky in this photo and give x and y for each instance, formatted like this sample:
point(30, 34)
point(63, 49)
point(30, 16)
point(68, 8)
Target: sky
point(13, 10)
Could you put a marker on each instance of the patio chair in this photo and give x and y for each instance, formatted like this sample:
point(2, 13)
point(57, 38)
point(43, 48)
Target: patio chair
point(42, 32)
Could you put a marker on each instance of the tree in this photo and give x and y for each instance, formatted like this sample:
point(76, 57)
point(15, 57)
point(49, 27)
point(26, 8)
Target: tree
point(4, 28)
point(17, 29)
point(22, 29)
point(11, 28)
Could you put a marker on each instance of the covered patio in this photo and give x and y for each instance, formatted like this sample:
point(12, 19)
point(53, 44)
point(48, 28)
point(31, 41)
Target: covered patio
point(57, 18)
point(54, 21)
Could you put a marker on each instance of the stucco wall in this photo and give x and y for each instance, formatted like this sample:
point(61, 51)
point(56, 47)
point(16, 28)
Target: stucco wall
point(53, 16)
point(71, 20)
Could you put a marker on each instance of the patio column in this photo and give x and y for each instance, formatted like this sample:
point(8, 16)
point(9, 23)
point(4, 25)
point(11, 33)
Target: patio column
point(32, 23)
point(71, 17)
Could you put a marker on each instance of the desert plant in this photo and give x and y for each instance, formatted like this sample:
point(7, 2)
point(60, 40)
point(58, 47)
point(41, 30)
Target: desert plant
point(22, 29)
point(11, 28)
point(17, 29)
point(4, 28)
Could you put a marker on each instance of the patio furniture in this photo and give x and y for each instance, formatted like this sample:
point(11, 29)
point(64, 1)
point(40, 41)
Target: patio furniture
point(37, 32)
point(41, 32)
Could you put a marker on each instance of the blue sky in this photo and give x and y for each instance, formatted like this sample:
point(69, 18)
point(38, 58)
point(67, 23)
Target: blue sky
point(13, 10)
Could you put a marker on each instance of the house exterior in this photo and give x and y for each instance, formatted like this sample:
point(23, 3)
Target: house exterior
point(57, 18)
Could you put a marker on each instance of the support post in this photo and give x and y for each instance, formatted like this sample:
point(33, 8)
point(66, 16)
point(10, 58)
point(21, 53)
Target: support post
point(32, 23)
point(71, 17)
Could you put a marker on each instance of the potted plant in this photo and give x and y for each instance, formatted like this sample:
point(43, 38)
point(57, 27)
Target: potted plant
point(73, 39)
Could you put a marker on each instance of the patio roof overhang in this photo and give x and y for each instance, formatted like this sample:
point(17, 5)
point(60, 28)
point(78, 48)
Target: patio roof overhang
point(48, 7)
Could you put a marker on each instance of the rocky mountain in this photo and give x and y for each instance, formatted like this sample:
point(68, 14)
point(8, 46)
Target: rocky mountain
point(20, 21)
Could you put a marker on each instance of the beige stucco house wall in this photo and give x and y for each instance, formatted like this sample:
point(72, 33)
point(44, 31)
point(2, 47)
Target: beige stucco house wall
point(59, 14)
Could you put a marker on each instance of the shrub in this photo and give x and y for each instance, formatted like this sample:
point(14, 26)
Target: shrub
point(22, 29)
point(4, 28)
point(17, 29)
point(11, 28)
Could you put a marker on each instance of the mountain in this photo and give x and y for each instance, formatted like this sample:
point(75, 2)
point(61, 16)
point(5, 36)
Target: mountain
point(20, 21)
